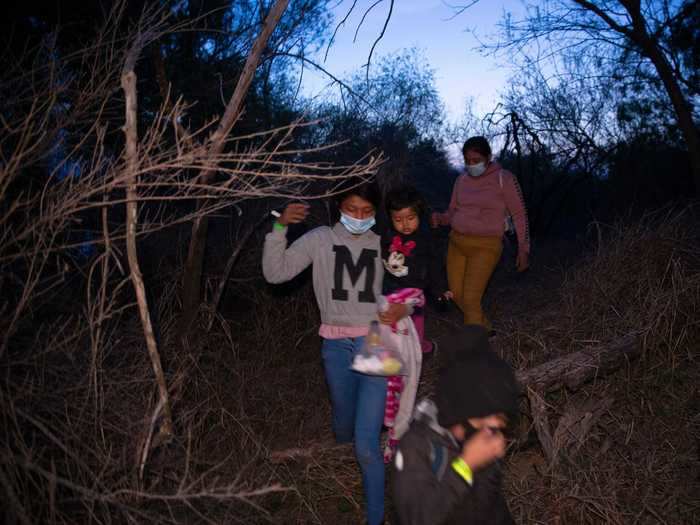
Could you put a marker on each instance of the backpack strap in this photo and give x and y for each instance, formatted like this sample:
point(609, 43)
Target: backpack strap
point(508, 224)
point(438, 459)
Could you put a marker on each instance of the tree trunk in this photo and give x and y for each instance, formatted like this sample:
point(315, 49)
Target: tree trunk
point(128, 82)
point(650, 48)
point(229, 266)
point(192, 277)
point(573, 370)
point(681, 107)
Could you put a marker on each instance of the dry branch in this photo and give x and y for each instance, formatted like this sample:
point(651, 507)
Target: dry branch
point(571, 371)
point(195, 255)
point(305, 453)
point(540, 419)
point(576, 423)
point(229, 266)
point(128, 82)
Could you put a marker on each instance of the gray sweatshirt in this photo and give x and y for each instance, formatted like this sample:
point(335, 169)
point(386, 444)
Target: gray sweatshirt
point(347, 270)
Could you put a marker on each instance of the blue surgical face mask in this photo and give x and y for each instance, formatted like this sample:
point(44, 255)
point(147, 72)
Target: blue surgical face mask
point(356, 226)
point(476, 170)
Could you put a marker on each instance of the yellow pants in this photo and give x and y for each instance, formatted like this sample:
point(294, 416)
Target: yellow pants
point(470, 263)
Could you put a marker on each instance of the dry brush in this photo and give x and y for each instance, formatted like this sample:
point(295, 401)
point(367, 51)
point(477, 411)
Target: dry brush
point(81, 192)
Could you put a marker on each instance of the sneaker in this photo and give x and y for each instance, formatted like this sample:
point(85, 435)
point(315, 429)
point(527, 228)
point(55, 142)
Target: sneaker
point(433, 349)
point(433, 346)
point(442, 304)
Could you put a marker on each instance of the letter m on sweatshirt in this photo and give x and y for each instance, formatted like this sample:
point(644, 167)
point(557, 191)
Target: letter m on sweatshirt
point(365, 265)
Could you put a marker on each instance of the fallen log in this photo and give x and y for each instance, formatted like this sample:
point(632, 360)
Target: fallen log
point(310, 451)
point(577, 368)
point(572, 371)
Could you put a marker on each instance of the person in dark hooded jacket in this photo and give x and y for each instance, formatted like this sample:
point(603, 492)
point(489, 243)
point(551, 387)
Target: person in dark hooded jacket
point(446, 469)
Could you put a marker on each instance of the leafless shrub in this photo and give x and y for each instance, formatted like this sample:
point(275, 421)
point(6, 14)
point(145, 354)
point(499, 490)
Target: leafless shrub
point(77, 404)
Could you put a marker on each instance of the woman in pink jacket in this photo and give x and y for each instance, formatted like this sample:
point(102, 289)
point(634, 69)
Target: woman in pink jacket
point(482, 200)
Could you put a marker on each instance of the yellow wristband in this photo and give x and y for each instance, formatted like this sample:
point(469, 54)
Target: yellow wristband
point(464, 471)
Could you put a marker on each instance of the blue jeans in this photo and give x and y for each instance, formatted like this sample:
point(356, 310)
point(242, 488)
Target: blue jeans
point(358, 414)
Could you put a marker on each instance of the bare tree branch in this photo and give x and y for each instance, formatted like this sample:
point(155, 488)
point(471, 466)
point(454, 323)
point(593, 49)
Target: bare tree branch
point(130, 130)
point(337, 27)
point(381, 34)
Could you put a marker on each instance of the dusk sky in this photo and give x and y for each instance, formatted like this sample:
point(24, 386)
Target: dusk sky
point(446, 42)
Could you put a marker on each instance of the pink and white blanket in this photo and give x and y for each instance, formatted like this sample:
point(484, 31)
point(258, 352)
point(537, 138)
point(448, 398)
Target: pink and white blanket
point(401, 390)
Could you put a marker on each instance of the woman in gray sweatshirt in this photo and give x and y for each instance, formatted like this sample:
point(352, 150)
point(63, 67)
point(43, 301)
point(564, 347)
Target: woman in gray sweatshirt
point(347, 274)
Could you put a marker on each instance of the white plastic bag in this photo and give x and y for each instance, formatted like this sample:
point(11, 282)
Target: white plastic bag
point(377, 357)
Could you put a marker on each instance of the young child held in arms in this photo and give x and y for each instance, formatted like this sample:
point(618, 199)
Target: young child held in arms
point(411, 268)
point(408, 255)
point(446, 468)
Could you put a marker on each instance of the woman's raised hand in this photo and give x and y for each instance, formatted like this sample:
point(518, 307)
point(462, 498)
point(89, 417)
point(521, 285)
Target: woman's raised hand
point(294, 213)
point(522, 261)
point(393, 314)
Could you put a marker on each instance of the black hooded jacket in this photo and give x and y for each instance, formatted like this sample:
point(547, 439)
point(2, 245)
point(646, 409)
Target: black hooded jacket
point(427, 491)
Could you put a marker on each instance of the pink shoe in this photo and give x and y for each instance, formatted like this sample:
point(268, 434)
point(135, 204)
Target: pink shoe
point(390, 450)
point(432, 349)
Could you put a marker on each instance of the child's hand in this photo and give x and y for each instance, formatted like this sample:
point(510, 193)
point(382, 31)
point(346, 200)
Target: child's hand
point(483, 448)
point(294, 213)
point(434, 219)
